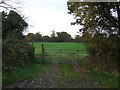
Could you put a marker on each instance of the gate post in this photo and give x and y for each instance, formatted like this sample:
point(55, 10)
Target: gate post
point(43, 54)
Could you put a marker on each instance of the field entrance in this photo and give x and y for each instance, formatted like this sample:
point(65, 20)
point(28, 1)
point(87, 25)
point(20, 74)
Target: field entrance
point(64, 53)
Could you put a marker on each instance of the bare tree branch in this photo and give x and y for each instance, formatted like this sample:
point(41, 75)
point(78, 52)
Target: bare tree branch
point(10, 4)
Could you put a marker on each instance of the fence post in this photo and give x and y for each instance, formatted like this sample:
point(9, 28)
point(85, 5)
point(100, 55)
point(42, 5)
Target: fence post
point(43, 54)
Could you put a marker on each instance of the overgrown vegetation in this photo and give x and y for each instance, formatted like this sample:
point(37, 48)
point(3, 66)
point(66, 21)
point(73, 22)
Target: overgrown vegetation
point(101, 31)
point(105, 53)
point(16, 53)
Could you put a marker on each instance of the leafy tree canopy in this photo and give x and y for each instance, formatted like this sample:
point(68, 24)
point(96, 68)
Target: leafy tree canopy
point(96, 16)
point(12, 23)
point(63, 36)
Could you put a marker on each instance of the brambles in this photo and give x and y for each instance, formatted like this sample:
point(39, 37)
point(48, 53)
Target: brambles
point(16, 54)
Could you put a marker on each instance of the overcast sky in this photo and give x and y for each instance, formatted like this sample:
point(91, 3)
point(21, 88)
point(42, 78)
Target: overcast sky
point(47, 15)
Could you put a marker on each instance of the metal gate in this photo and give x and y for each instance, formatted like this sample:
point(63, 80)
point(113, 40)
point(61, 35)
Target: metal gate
point(64, 55)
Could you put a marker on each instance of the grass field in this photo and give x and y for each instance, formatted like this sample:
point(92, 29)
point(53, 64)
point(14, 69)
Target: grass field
point(52, 47)
point(64, 52)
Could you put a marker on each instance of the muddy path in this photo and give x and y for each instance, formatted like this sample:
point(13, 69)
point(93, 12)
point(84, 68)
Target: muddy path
point(48, 79)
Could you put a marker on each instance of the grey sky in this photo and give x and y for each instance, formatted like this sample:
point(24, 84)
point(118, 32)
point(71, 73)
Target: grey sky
point(47, 15)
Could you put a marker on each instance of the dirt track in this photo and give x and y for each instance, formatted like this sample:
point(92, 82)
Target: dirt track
point(48, 80)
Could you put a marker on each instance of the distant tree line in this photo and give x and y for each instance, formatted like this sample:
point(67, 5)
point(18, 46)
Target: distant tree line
point(54, 37)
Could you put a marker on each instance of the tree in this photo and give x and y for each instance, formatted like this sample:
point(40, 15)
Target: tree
point(103, 19)
point(63, 36)
point(79, 38)
point(37, 37)
point(13, 24)
point(53, 34)
point(46, 38)
point(10, 4)
point(60, 37)
point(101, 25)
point(16, 52)
point(53, 37)
point(30, 37)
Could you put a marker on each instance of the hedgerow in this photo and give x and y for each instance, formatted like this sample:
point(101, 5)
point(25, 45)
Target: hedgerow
point(16, 53)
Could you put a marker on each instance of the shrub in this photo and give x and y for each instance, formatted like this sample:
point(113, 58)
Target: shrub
point(105, 52)
point(16, 54)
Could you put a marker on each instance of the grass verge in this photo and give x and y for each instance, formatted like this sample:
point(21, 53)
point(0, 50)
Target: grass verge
point(27, 72)
point(106, 80)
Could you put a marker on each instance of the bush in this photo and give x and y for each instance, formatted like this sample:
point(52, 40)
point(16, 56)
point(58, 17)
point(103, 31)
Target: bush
point(105, 52)
point(16, 54)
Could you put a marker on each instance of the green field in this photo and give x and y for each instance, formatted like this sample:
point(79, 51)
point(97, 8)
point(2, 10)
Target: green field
point(64, 52)
point(51, 47)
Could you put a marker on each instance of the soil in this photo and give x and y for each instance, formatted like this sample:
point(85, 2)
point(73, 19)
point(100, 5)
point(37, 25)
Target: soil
point(48, 79)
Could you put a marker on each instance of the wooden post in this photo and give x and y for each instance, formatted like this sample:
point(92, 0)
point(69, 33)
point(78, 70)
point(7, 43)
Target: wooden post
point(43, 54)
